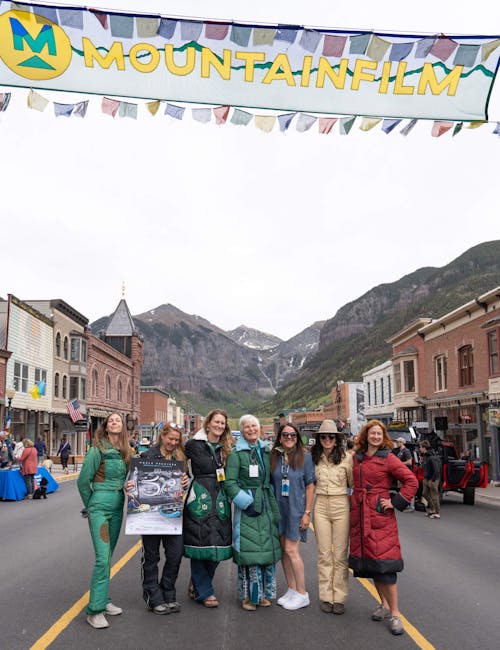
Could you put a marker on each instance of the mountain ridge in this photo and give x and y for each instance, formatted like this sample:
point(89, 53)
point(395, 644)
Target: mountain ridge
point(354, 339)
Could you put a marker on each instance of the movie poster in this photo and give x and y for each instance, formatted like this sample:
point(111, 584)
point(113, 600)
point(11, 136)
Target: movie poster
point(155, 502)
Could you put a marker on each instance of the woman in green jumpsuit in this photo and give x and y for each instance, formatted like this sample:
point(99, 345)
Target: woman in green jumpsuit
point(100, 484)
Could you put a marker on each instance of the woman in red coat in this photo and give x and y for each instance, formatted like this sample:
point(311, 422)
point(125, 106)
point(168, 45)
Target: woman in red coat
point(29, 466)
point(375, 551)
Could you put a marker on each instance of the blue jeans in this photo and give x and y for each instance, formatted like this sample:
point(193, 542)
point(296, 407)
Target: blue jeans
point(202, 573)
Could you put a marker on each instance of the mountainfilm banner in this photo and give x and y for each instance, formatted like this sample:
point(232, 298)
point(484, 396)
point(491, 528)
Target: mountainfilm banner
point(277, 67)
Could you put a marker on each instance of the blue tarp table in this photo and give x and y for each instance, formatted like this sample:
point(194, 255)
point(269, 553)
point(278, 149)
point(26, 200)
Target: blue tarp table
point(12, 487)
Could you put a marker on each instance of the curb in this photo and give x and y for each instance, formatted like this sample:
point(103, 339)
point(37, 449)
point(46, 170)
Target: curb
point(480, 498)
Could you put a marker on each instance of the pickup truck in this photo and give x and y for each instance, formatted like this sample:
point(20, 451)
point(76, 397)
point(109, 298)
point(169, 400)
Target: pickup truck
point(457, 475)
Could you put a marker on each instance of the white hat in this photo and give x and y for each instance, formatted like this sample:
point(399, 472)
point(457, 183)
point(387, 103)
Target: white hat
point(328, 426)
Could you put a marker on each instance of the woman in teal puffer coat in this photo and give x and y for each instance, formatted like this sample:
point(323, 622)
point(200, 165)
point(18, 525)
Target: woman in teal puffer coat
point(256, 545)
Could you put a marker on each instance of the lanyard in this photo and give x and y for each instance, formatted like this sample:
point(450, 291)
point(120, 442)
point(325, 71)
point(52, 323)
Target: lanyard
point(284, 468)
point(213, 452)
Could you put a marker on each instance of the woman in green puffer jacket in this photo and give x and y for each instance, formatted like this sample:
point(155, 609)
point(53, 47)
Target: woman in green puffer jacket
point(100, 483)
point(256, 545)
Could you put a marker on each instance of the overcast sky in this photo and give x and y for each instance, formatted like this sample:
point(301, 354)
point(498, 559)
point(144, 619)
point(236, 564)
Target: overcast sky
point(274, 231)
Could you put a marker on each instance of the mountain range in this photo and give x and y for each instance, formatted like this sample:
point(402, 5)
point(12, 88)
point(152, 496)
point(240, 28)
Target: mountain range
point(245, 369)
point(203, 365)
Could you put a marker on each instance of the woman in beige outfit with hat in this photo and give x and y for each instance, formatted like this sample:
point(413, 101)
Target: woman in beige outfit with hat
point(331, 516)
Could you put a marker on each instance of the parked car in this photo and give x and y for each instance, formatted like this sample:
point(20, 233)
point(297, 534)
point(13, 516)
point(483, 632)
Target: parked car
point(457, 475)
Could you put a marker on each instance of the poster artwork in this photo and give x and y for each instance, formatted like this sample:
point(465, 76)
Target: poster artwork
point(155, 503)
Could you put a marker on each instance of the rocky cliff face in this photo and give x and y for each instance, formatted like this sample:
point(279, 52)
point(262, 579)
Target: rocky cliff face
point(205, 365)
point(354, 340)
point(254, 339)
point(283, 362)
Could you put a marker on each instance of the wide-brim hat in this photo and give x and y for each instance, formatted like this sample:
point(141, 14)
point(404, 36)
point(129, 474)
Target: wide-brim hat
point(328, 426)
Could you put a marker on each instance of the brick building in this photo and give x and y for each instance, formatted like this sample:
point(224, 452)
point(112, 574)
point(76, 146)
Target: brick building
point(446, 372)
point(69, 376)
point(114, 363)
point(346, 408)
point(154, 410)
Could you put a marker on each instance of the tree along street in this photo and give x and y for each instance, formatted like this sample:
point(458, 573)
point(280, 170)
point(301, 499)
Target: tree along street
point(448, 590)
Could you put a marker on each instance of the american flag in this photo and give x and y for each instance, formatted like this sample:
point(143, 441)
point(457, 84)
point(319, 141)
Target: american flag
point(74, 410)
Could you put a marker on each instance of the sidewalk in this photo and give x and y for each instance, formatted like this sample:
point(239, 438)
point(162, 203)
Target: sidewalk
point(61, 477)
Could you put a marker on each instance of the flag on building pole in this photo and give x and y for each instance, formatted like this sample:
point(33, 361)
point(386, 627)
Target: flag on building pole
point(74, 410)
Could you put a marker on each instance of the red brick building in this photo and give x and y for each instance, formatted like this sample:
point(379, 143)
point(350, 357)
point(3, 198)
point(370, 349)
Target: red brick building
point(446, 373)
point(114, 364)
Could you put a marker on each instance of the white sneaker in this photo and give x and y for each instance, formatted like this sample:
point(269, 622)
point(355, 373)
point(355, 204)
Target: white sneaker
point(97, 620)
point(113, 610)
point(286, 596)
point(297, 601)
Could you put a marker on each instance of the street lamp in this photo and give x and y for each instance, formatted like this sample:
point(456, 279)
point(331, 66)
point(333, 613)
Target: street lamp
point(10, 393)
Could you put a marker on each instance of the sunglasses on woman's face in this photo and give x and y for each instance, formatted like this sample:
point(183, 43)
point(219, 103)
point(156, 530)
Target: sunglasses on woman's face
point(327, 436)
point(288, 435)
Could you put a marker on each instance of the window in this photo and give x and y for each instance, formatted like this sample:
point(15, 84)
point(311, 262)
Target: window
point(84, 351)
point(129, 395)
point(94, 382)
point(75, 349)
point(375, 391)
point(65, 387)
point(65, 347)
point(108, 387)
point(368, 393)
point(40, 375)
point(441, 368)
point(58, 344)
point(493, 352)
point(119, 391)
point(389, 389)
point(56, 385)
point(466, 365)
point(397, 378)
point(409, 375)
point(73, 387)
point(21, 377)
point(381, 390)
point(83, 389)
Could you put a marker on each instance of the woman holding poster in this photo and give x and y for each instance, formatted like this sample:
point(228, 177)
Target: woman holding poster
point(100, 483)
point(160, 596)
point(207, 515)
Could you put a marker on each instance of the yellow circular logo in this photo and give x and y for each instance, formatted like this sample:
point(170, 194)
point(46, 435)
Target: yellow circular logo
point(33, 46)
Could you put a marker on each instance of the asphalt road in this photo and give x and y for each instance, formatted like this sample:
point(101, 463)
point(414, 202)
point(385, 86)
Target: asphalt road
point(449, 591)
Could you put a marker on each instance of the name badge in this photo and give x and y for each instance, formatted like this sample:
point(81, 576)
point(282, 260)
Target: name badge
point(253, 471)
point(285, 487)
point(221, 475)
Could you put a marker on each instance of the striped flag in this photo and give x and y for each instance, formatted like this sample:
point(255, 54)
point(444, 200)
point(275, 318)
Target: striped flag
point(74, 410)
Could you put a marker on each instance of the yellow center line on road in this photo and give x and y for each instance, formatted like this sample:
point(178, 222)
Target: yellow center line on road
point(63, 622)
point(410, 629)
